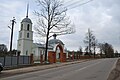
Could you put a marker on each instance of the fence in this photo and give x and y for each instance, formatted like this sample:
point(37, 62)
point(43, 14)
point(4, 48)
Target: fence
point(9, 61)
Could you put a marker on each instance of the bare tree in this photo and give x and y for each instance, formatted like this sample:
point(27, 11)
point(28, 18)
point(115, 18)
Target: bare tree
point(89, 41)
point(80, 50)
point(116, 53)
point(100, 46)
point(86, 50)
point(3, 50)
point(52, 19)
point(94, 45)
point(107, 49)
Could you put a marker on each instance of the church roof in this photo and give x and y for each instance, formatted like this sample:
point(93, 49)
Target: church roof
point(27, 20)
point(55, 41)
point(39, 45)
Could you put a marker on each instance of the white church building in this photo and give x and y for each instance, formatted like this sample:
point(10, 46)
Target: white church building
point(25, 41)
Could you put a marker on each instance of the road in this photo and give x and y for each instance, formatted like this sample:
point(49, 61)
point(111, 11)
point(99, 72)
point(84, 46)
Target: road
point(90, 70)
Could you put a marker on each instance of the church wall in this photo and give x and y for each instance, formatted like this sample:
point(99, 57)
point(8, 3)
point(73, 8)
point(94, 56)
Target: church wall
point(38, 52)
point(27, 47)
point(25, 25)
point(35, 53)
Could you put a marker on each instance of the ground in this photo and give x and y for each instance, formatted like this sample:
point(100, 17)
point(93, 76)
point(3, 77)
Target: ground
point(115, 73)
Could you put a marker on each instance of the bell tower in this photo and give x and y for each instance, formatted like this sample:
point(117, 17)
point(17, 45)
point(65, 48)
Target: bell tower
point(25, 40)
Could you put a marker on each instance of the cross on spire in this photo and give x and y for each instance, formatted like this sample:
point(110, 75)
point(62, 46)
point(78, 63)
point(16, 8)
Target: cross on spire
point(54, 35)
point(27, 9)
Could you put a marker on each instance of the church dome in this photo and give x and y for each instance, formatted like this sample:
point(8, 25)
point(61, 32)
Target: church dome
point(27, 20)
point(55, 41)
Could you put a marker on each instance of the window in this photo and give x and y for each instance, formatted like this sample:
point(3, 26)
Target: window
point(41, 52)
point(34, 52)
point(21, 26)
point(28, 27)
point(20, 35)
point(27, 52)
point(19, 45)
point(27, 35)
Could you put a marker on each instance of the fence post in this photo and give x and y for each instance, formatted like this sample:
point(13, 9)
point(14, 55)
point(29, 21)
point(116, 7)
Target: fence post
point(41, 58)
point(73, 55)
point(18, 58)
point(28, 59)
point(11, 60)
point(31, 59)
point(23, 60)
point(4, 61)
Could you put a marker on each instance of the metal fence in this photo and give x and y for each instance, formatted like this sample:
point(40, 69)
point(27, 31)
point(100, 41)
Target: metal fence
point(9, 61)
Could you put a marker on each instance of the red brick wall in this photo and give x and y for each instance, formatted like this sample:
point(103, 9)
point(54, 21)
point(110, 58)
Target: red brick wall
point(31, 59)
point(64, 57)
point(52, 57)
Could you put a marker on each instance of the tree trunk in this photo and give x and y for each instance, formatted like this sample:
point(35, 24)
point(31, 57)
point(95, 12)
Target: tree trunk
point(94, 51)
point(46, 49)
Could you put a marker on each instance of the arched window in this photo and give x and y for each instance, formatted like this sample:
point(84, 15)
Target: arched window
point(28, 27)
point(27, 35)
point(21, 26)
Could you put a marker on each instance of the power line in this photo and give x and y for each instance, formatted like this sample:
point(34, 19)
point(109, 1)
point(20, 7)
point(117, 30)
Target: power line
point(77, 4)
point(71, 4)
point(81, 4)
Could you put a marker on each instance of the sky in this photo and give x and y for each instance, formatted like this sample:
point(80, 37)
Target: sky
point(101, 16)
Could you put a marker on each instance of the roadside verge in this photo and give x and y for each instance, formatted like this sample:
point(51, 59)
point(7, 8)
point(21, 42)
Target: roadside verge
point(7, 73)
point(115, 73)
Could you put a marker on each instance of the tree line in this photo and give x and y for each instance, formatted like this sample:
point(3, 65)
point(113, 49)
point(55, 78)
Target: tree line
point(105, 49)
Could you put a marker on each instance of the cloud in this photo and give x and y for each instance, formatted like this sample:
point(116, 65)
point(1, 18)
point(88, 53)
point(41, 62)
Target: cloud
point(102, 17)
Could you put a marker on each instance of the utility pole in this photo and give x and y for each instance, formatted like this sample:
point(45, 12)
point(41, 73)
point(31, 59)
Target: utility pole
point(13, 21)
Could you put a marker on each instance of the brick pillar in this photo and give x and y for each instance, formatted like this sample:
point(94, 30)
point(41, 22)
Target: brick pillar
point(77, 56)
point(69, 56)
point(73, 55)
point(31, 59)
point(41, 58)
point(64, 57)
point(52, 57)
point(61, 57)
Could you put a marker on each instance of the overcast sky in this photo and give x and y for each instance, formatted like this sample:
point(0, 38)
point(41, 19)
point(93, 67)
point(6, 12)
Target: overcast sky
point(101, 16)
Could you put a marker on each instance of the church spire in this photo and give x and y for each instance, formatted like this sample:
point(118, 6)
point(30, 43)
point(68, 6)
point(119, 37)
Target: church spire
point(27, 9)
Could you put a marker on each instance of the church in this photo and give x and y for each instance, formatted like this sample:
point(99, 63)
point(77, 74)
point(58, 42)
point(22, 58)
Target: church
point(26, 46)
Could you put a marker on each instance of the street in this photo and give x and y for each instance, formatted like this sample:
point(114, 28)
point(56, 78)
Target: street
point(91, 70)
